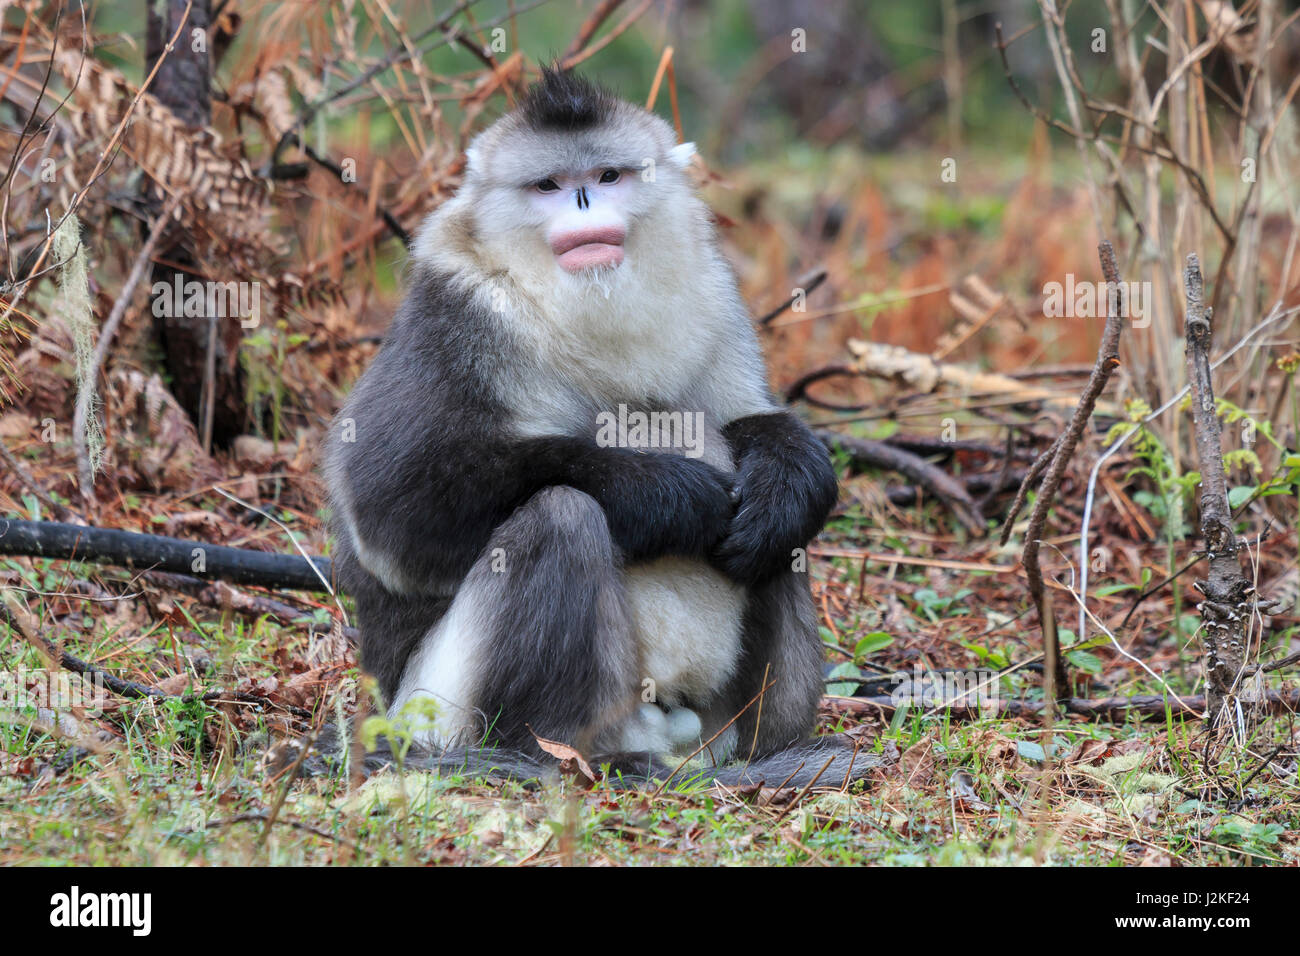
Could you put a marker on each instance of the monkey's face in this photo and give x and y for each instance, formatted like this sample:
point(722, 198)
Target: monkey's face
point(585, 215)
point(580, 202)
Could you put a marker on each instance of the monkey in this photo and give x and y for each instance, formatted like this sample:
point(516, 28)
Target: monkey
point(563, 497)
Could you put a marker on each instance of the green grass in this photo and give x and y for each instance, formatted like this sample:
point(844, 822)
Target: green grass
point(182, 782)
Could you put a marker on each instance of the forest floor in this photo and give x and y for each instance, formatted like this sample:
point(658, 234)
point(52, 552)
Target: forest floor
point(182, 781)
point(902, 588)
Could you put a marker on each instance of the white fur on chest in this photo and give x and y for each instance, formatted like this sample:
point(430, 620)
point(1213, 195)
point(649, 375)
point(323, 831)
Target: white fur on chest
point(633, 346)
point(665, 330)
point(602, 343)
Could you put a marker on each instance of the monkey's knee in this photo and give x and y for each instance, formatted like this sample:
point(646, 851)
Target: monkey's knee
point(559, 529)
point(564, 510)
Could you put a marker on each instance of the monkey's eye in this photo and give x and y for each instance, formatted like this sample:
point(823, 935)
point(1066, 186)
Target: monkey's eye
point(547, 186)
point(609, 176)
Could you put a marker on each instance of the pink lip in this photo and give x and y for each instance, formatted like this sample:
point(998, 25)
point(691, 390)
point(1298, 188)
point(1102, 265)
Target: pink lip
point(589, 248)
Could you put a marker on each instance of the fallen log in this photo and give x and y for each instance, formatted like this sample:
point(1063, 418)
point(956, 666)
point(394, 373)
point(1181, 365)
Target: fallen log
point(1143, 706)
point(154, 552)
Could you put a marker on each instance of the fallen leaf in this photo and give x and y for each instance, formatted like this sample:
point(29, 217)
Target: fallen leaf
point(570, 759)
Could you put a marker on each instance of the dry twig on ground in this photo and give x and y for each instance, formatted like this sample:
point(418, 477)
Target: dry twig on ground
point(1229, 597)
point(1055, 679)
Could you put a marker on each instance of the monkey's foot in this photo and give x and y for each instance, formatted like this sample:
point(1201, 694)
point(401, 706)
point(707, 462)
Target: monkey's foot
point(650, 730)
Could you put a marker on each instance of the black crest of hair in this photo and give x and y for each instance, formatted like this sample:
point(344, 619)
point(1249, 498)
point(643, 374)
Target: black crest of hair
point(566, 101)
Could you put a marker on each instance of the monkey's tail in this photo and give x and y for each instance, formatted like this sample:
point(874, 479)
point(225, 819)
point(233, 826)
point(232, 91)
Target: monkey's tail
point(830, 761)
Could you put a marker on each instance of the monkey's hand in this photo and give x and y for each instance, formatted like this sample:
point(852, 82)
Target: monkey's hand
point(787, 488)
point(656, 504)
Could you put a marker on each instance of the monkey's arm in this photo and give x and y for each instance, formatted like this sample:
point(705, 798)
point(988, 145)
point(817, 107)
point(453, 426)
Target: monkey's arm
point(655, 504)
point(420, 520)
point(787, 488)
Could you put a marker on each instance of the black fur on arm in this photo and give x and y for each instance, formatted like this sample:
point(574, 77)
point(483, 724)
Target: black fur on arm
point(656, 504)
point(429, 469)
point(787, 489)
point(435, 517)
point(418, 454)
point(424, 503)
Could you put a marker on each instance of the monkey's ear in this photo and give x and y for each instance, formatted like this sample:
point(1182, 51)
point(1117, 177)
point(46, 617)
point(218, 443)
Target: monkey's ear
point(477, 149)
point(473, 156)
point(680, 155)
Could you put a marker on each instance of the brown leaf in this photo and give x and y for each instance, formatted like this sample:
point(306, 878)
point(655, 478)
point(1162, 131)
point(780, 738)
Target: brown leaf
point(570, 760)
point(917, 764)
point(1091, 752)
point(17, 425)
point(998, 749)
point(749, 792)
point(176, 684)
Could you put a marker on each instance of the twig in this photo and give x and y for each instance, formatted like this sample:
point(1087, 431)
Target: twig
point(1266, 761)
point(589, 27)
point(798, 798)
point(983, 487)
point(1229, 598)
point(153, 552)
point(225, 597)
point(937, 482)
point(1119, 709)
point(1157, 588)
point(1055, 678)
point(569, 62)
point(391, 221)
point(26, 479)
point(1022, 493)
point(1283, 662)
point(1276, 314)
point(290, 775)
point(399, 54)
point(700, 749)
point(1054, 30)
point(806, 287)
point(262, 817)
point(799, 390)
point(12, 615)
point(666, 69)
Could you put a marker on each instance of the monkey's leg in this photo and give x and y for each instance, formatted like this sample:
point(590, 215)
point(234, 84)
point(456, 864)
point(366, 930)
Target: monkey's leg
point(780, 644)
point(391, 625)
point(538, 635)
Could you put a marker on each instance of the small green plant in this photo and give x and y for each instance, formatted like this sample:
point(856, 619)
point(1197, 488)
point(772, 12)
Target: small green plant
point(418, 715)
point(934, 605)
point(1167, 499)
point(1256, 839)
point(263, 354)
point(185, 718)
